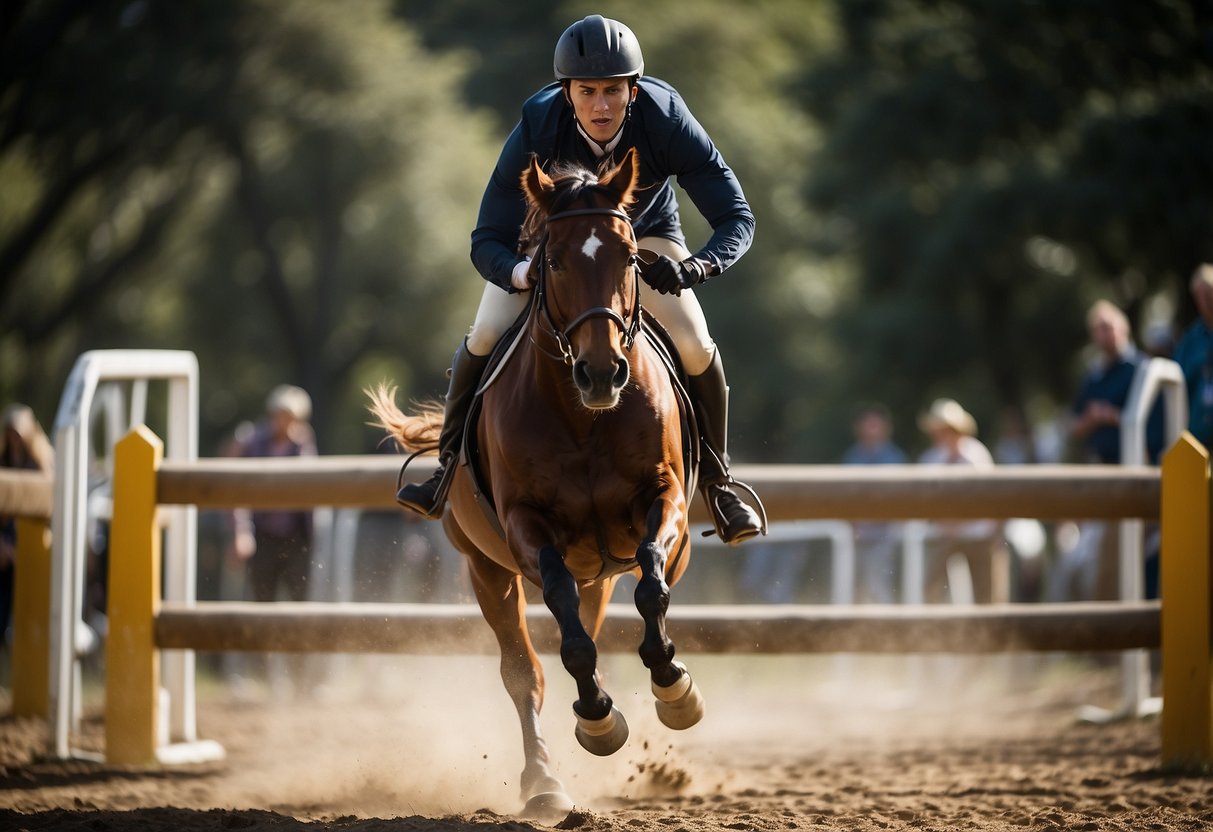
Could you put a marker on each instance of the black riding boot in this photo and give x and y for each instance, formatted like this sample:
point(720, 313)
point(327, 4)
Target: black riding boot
point(734, 520)
point(429, 498)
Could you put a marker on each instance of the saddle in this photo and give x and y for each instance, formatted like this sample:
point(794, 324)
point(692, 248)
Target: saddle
point(663, 345)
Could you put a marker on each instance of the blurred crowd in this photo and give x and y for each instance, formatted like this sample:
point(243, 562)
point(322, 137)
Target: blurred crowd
point(1021, 559)
point(391, 556)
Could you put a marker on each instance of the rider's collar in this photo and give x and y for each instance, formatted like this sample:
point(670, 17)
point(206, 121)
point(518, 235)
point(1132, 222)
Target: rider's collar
point(600, 150)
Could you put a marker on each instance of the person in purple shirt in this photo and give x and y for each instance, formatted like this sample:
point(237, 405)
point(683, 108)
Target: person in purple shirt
point(276, 543)
point(600, 106)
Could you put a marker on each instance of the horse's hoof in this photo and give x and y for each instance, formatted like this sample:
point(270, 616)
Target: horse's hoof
point(680, 705)
point(548, 808)
point(602, 736)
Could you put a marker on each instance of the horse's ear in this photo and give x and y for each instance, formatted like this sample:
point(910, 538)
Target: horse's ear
point(622, 180)
point(537, 185)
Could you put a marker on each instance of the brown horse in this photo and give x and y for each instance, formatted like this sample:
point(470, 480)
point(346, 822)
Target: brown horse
point(581, 454)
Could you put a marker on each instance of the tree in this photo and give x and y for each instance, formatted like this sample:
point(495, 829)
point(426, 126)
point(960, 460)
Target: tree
point(991, 168)
point(100, 104)
point(283, 187)
point(768, 312)
point(352, 195)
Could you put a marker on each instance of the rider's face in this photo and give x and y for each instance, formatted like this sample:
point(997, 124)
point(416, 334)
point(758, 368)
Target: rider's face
point(601, 105)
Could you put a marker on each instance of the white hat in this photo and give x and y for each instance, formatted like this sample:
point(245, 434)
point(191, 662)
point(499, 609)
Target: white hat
point(948, 413)
point(291, 399)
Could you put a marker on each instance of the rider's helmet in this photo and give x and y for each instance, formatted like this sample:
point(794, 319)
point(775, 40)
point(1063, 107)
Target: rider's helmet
point(597, 47)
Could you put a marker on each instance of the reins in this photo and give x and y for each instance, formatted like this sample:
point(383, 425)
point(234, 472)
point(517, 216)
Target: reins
point(561, 336)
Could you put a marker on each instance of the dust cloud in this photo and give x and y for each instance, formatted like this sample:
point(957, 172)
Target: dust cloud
point(438, 735)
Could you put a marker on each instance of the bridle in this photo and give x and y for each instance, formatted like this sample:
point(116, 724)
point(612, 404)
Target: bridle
point(561, 336)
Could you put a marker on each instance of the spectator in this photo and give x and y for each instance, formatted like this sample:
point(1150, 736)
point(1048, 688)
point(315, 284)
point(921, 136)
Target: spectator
point(23, 445)
point(1194, 354)
point(875, 543)
point(1096, 412)
point(1015, 444)
point(953, 432)
point(1089, 569)
point(276, 545)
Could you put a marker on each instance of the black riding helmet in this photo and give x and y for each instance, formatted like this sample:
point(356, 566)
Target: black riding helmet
point(597, 47)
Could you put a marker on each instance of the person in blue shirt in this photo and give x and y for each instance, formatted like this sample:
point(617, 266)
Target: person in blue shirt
point(1104, 392)
point(1194, 355)
point(875, 541)
point(600, 106)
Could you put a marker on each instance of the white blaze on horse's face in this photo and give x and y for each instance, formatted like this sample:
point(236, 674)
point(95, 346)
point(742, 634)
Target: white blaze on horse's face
point(591, 245)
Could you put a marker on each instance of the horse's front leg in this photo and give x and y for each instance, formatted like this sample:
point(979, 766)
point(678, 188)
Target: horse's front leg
point(601, 728)
point(503, 603)
point(679, 703)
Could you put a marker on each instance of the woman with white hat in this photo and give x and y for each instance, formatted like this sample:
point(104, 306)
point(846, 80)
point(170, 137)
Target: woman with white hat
point(953, 432)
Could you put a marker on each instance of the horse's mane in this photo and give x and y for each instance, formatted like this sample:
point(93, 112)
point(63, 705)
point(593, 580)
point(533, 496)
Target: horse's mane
point(571, 180)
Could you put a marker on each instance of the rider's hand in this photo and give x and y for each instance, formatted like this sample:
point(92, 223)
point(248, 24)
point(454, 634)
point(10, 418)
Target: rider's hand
point(520, 277)
point(670, 277)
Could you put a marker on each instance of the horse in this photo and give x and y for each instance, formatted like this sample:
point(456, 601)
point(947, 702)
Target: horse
point(580, 475)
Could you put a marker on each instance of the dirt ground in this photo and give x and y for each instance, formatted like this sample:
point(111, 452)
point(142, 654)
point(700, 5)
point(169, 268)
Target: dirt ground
point(815, 743)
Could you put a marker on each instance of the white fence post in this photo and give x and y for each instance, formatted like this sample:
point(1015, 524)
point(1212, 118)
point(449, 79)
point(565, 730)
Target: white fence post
point(69, 521)
point(1154, 377)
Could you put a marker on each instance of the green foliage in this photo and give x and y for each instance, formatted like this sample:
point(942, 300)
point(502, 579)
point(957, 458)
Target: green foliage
point(348, 213)
point(506, 47)
point(993, 167)
point(282, 186)
point(286, 187)
point(766, 313)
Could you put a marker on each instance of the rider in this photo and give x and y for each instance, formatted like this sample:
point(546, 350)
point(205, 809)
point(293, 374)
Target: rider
point(600, 106)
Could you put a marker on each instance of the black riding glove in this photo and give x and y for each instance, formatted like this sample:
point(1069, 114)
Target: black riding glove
point(669, 277)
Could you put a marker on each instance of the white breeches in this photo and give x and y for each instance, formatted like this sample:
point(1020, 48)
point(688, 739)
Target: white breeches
point(681, 314)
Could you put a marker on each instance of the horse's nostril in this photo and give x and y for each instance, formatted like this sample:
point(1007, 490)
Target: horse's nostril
point(581, 375)
point(621, 372)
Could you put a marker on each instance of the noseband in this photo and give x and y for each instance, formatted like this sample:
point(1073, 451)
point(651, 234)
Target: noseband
point(561, 336)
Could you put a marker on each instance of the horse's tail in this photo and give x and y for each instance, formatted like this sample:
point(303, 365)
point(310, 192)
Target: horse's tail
point(415, 432)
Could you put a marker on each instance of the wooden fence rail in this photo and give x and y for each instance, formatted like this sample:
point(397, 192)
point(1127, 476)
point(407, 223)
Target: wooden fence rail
point(790, 492)
point(28, 494)
point(441, 629)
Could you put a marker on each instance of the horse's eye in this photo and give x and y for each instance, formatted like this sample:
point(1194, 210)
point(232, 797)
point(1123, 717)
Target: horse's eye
point(553, 264)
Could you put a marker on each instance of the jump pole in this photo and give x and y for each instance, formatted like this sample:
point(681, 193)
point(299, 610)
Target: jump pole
point(1187, 592)
point(136, 721)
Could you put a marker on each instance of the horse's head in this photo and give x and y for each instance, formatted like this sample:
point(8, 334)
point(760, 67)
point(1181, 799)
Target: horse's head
point(587, 284)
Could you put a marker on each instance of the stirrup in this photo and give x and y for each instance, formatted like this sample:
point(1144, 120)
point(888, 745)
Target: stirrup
point(720, 528)
point(435, 509)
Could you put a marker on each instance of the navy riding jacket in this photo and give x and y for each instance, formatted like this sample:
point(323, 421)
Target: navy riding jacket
point(669, 143)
